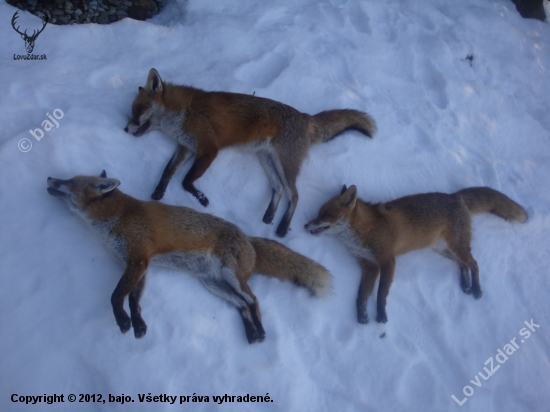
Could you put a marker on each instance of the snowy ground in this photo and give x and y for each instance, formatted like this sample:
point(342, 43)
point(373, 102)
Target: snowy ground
point(445, 122)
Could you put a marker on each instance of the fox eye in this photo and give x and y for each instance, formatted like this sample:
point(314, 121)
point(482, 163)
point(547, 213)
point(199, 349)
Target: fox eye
point(140, 111)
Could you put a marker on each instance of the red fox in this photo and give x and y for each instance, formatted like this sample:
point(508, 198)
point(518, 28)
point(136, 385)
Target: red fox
point(377, 233)
point(205, 122)
point(216, 251)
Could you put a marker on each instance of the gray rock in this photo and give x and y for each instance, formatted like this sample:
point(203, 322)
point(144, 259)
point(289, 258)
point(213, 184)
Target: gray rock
point(53, 20)
point(64, 19)
point(128, 4)
point(68, 5)
point(32, 3)
point(58, 12)
point(112, 10)
point(41, 15)
point(121, 13)
point(113, 18)
point(103, 18)
point(77, 12)
point(138, 13)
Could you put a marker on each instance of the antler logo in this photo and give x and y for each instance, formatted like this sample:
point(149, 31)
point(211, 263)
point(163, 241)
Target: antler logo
point(29, 40)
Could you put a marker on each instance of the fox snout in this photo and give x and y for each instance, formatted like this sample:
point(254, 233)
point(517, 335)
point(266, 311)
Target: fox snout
point(136, 129)
point(55, 187)
point(316, 227)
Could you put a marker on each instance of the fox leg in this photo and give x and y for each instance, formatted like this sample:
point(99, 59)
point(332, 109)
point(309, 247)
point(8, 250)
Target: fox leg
point(177, 159)
point(464, 271)
point(140, 328)
point(368, 279)
point(201, 163)
point(282, 229)
point(254, 311)
point(386, 277)
point(459, 245)
point(248, 312)
point(273, 170)
point(465, 259)
point(236, 275)
point(134, 272)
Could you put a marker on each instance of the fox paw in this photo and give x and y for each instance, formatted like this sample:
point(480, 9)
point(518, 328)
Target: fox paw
point(140, 330)
point(254, 337)
point(202, 199)
point(124, 324)
point(381, 318)
point(362, 318)
point(477, 293)
point(268, 219)
point(467, 290)
point(157, 195)
point(282, 230)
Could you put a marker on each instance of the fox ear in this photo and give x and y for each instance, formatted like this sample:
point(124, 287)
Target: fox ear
point(105, 185)
point(154, 83)
point(103, 174)
point(349, 197)
point(344, 188)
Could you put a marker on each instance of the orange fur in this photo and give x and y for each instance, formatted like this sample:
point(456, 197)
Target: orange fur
point(214, 250)
point(377, 233)
point(203, 123)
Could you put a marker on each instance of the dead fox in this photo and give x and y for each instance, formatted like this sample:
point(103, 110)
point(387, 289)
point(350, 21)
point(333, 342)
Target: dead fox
point(216, 251)
point(205, 122)
point(377, 233)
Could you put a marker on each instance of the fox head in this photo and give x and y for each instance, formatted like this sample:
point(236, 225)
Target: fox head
point(146, 106)
point(334, 215)
point(80, 191)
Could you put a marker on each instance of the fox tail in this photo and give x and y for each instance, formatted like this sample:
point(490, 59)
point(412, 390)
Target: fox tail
point(485, 199)
point(329, 124)
point(276, 260)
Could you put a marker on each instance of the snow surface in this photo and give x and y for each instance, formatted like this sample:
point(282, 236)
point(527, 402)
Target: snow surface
point(445, 123)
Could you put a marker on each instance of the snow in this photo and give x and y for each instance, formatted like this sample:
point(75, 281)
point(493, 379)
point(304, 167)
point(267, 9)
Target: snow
point(445, 123)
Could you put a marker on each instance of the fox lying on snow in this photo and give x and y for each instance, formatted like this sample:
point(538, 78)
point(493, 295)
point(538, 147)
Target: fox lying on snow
point(205, 122)
point(377, 233)
point(216, 251)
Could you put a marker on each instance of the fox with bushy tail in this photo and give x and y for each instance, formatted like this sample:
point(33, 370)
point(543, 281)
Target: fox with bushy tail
point(216, 251)
point(376, 233)
point(203, 123)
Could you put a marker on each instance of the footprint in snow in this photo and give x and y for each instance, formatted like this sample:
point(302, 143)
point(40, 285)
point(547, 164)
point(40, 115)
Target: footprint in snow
point(263, 71)
point(358, 19)
point(433, 83)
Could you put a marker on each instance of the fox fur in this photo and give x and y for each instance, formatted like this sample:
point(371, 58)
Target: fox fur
point(216, 251)
point(376, 233)
point(203, 123)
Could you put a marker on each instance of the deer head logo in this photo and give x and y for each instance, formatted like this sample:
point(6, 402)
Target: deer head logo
point(29, 40)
